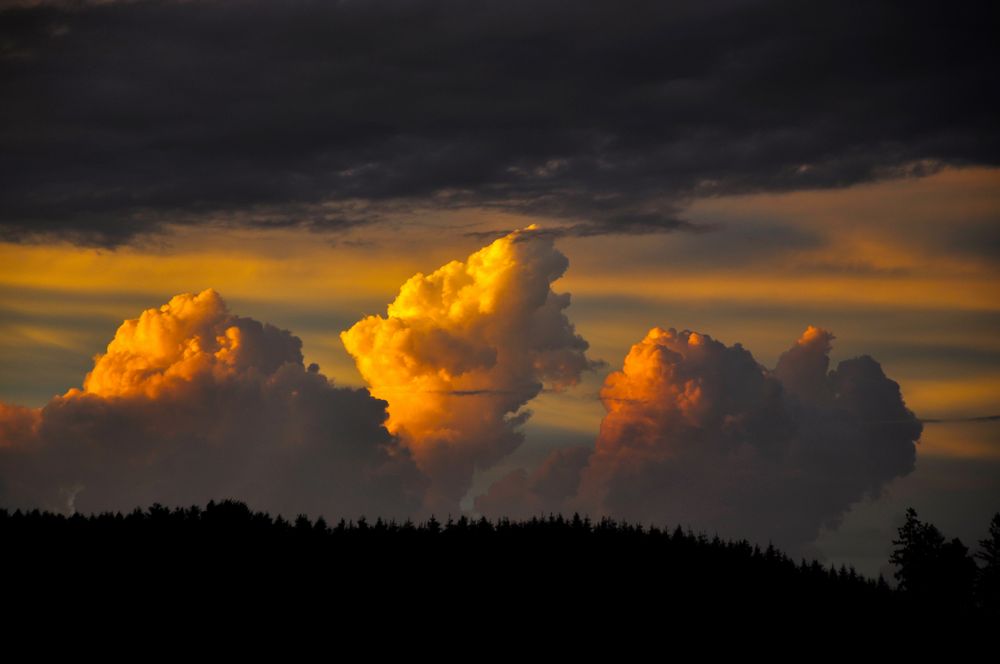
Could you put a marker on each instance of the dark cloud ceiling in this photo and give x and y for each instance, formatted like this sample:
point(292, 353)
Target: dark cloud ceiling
point(120, 117)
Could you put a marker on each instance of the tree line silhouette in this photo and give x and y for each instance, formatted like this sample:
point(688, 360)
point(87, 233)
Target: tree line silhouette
point(935, 572)
point(569, 562)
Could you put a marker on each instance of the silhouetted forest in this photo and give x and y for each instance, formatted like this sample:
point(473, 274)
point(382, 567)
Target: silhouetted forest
point(553, 563)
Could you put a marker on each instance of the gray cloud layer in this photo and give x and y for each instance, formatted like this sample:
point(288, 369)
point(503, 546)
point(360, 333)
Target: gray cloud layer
point(119, 117)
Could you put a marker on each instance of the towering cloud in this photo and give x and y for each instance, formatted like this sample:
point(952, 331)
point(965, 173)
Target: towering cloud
point(191, 403)
point(697, 432)
point(463, 349)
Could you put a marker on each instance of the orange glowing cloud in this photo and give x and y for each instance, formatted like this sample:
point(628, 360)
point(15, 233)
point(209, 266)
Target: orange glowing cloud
point(698, 432)
point(190, 336)
point(191, 403)
point(463, 349)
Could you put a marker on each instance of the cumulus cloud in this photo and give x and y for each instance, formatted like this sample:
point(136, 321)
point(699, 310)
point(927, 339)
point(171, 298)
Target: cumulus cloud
point(463, 349)
point(698, 432)
point(192, 403)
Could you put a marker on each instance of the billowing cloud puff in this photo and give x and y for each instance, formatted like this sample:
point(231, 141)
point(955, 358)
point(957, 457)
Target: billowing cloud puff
point(463, 349)
point(192, 403)
point(190, 338)
point(697, 432)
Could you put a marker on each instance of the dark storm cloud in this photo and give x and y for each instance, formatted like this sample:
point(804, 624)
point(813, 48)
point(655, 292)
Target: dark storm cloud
point(119, 117)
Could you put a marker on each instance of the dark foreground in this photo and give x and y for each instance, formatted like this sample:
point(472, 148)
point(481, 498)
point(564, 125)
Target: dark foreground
point(571, 568)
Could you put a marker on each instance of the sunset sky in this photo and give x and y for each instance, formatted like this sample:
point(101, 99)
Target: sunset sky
point(479, 210)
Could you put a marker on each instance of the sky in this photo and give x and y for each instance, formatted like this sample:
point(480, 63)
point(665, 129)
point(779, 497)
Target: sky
point(734, 265)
